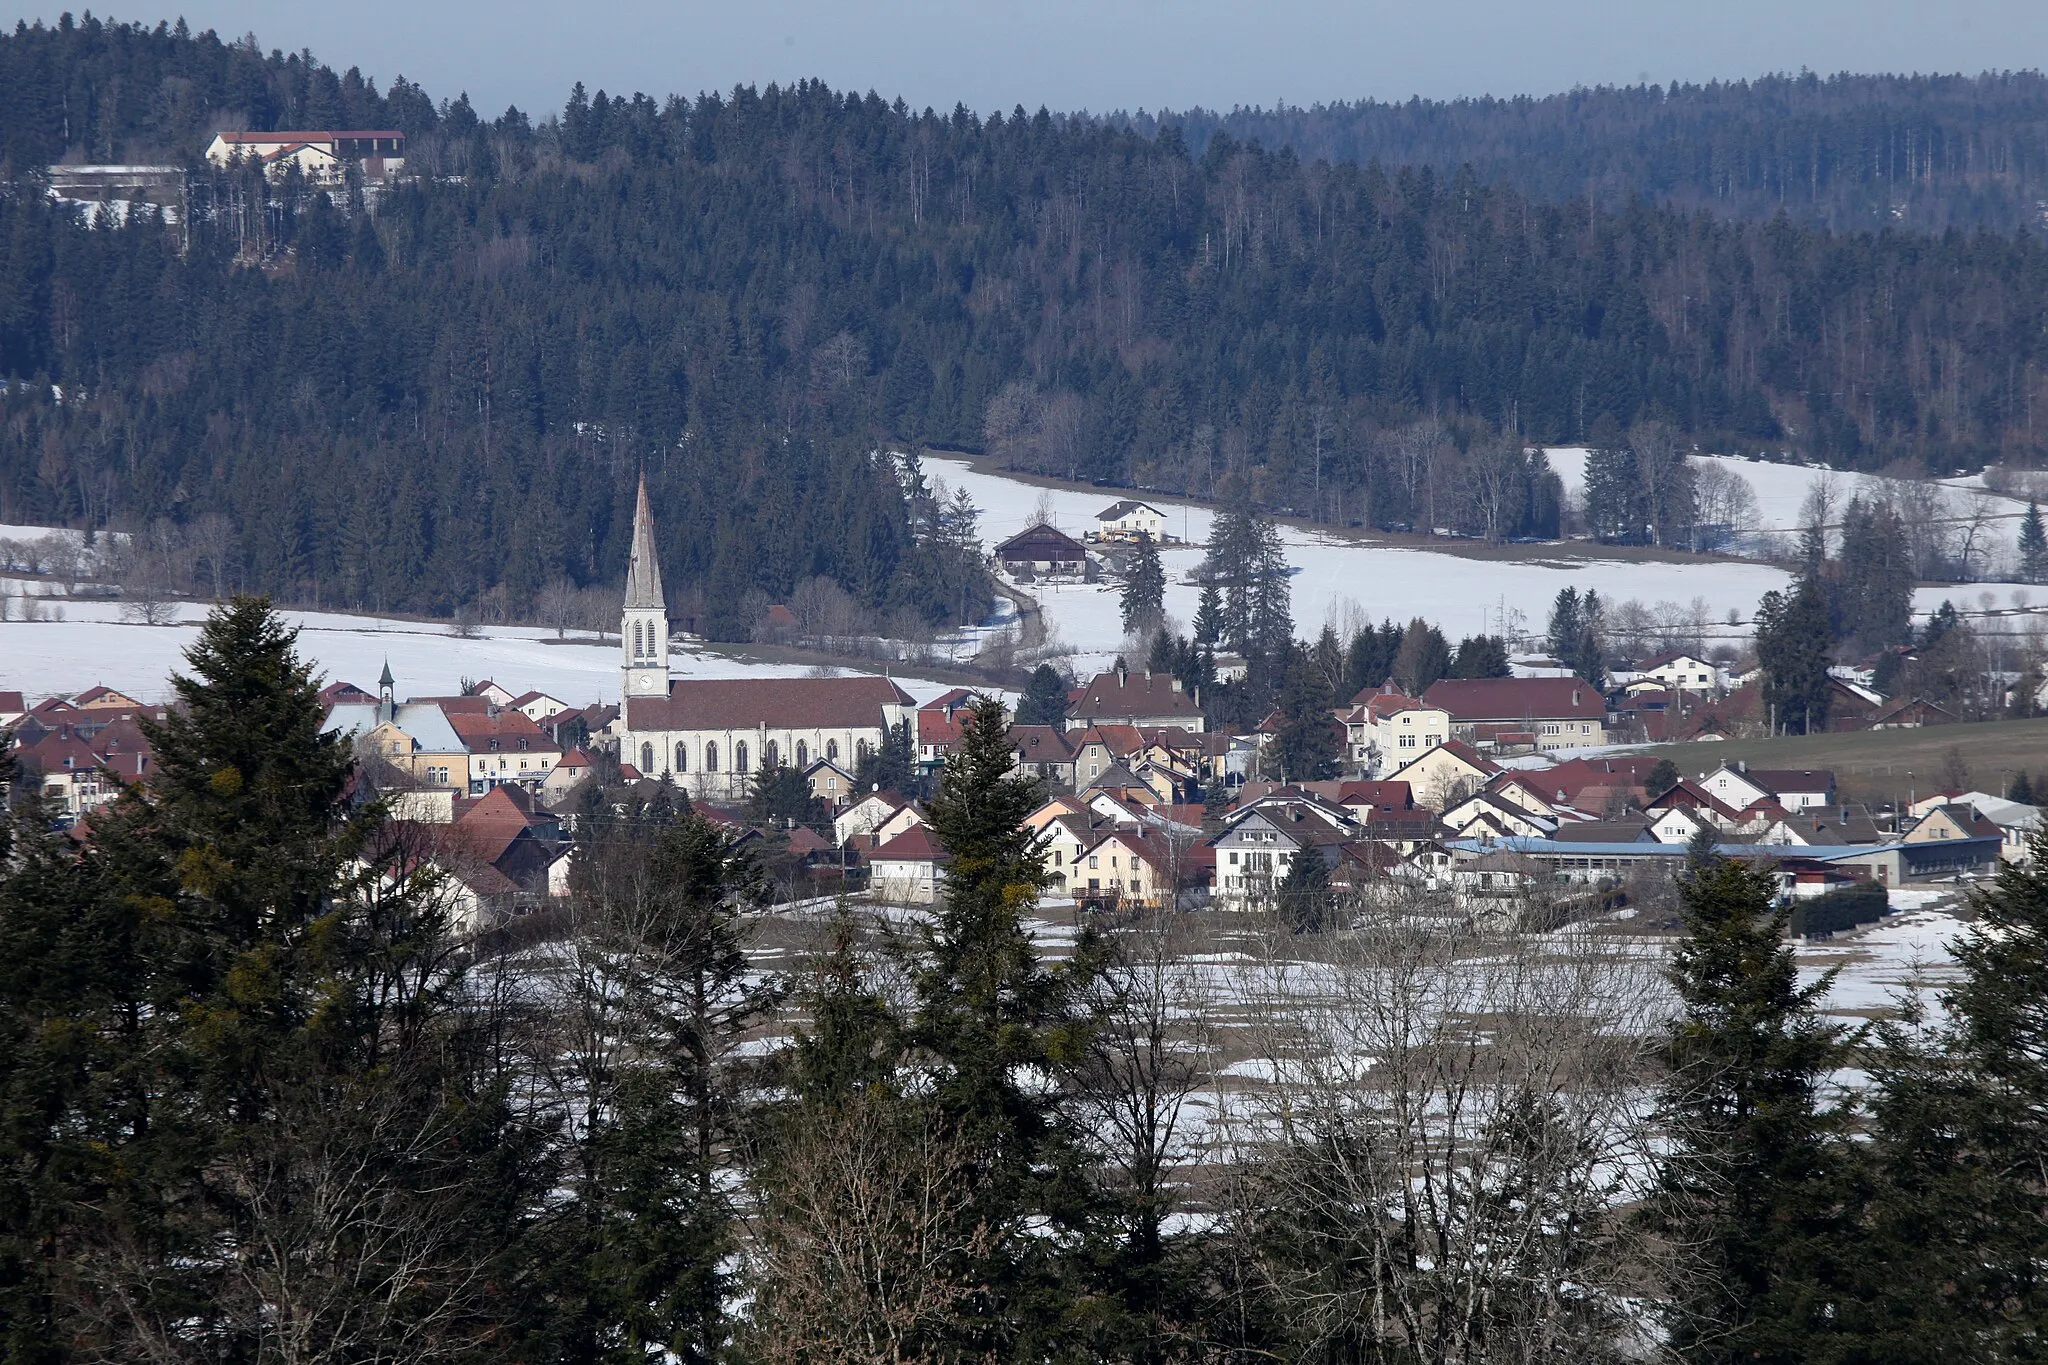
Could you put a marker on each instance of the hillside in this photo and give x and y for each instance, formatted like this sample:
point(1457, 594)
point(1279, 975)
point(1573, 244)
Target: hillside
point(437, 394)
point(1920, 153)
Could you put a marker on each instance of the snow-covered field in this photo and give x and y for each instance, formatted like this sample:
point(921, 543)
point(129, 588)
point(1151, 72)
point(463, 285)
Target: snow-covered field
point(93, 645)
point(1334, 572)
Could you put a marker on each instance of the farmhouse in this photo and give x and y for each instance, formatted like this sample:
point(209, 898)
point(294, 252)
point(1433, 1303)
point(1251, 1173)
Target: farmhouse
point(1043, 550)
point(1128, 520)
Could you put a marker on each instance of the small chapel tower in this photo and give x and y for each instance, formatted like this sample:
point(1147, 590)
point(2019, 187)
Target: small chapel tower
point(643, 627)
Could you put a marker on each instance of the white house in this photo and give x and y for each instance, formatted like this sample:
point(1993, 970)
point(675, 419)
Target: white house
point(1254, 854)
point(713, 736)
point(1680, 672)
point(1388, 729)
point(1127, 865)
point(1742, 786)
point(539, 707)
point(320, 154)
point(906, 870)
point(1128, 520)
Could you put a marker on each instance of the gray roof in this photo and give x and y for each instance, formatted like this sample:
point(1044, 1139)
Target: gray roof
point(424, 722)
point(1119, 509)
point(643, 570)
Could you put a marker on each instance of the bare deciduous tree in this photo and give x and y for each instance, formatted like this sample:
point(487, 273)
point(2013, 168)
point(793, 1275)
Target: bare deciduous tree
point(1455, 1124)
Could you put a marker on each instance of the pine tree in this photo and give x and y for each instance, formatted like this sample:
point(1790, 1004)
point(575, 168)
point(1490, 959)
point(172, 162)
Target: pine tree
point(1304, 897)
point(1481, 656)
point(278, 1091)
point(1756, 1182)
point(1424, 657)
point(1209, 615)
point(1792, 642)
point(1144, 592)
point(2033, 544)
point(988, 1015)
point(1662, 777)
point(1045, 699)
point(1961, 1112)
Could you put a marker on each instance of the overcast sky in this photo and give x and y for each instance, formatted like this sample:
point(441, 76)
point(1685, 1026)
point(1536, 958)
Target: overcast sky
point(1111, 54)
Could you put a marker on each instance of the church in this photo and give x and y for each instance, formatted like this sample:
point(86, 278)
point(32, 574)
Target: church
point(713, 735)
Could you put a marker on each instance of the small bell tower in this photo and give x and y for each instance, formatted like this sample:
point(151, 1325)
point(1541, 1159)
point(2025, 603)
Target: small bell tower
point(643, 626)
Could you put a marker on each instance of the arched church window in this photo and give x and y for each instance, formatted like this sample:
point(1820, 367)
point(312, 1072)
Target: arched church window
point(771, 757)
point(711, 758)
point(646, 760)
point(739, 757)
point(803, 754)
point(638, 648)
point(682, 757)
point(832, 750)
point(860, 751)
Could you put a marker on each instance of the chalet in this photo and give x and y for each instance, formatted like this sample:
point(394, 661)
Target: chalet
point(1128, 520)
point(1909, 714)
point(1043, 550)
point(1121, 697)
point(1539, 713)
point(323, 155)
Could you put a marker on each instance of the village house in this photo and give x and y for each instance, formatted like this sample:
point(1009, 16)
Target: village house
point(1678, 671)
point(1520, 714)
point(1125, 866)
point(1255, 851)
point(711, 736)
point(1445, 774)
point(1740, 786)
point(1142, 700)
point(907, 869)
point(1385, 728)
point(830, 782)
point(414, 739)
point(504, 747)
point(1043, 751)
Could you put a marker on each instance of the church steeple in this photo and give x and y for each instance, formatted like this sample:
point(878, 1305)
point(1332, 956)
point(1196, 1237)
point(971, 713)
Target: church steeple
point(643, 625)
point(387, 707)
point(643, 570)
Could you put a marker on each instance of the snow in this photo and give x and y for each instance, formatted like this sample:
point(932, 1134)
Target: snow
point(94, 645)
point(1463, 596)
point(1907, 951)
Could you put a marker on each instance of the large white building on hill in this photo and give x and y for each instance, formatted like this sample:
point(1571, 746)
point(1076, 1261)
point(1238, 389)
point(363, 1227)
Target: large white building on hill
point(713, 736)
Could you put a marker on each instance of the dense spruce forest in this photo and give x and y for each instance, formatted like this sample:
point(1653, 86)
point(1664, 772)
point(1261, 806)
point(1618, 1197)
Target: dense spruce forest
point(435, 395)
point(1923, 153)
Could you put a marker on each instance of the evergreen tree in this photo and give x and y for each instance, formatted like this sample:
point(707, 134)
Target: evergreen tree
point(1143, 598)
point(1614, 504)
point(1045, 699)
point(1424, 656)
point(1875, 587)
point(1304, 897)
point(890, 768)
point(271, 1118)
point(2033, 544)
point(782, 794)
point(1369, 660)
point(2021, 788)
point(1481, 656)
point(1792, 647)
point(1961, 1110)
point(1661, 778)
point(1757, 1185)
point(989, 1016)
point(1309, 742)
point(1209, 623)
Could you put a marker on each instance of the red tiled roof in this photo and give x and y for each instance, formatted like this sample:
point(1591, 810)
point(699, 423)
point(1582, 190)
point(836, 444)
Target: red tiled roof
point(1113, 695)
point(776, 703)
point(508, 728)
point(914, 845)
point(1511, 699)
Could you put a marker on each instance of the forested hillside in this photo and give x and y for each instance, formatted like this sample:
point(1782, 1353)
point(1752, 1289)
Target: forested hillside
point(1924, 153)
point(427, 396)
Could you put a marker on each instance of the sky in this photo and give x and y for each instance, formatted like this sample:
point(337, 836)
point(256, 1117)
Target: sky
point(1112, 54)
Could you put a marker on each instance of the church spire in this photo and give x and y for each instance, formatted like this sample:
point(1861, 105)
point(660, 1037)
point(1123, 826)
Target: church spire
point(643, 570)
